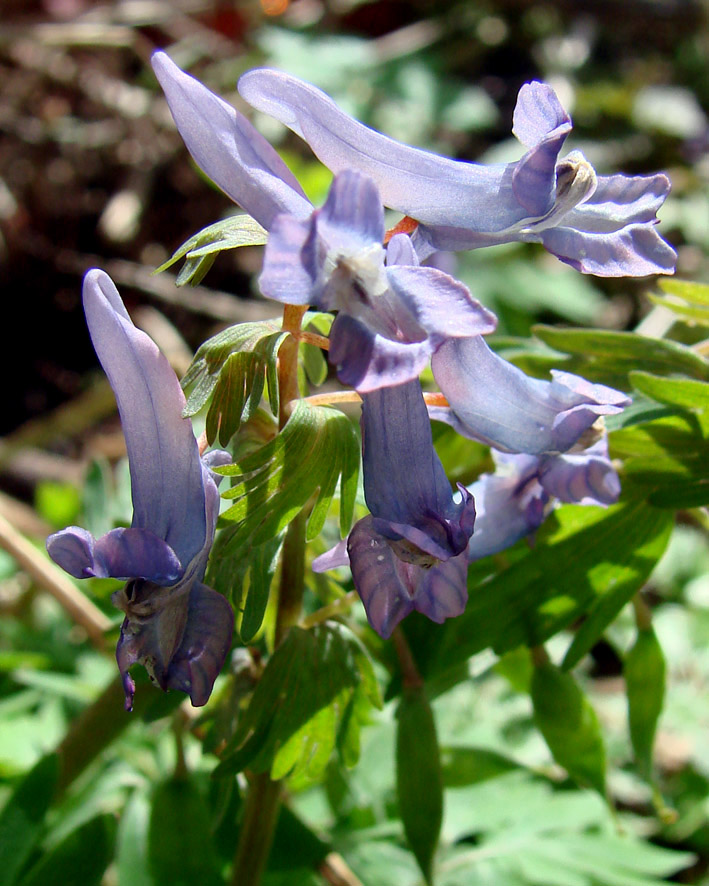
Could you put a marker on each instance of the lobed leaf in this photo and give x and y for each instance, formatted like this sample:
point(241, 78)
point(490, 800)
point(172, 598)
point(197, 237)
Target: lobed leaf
point(231, 370)
point(292, 722)
point(317, 448)
point(200, 250)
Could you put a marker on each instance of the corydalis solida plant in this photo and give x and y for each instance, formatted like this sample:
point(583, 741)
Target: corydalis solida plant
point(393, 316)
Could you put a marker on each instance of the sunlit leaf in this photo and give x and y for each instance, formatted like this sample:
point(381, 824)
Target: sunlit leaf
point(203, 247)
point(317, 448)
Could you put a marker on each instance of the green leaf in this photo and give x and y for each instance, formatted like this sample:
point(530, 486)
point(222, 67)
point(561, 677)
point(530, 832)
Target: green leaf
point(681, 392)
point(692, 293)
point(292, 722)
point(582, 554)
point(461, 766)
point(80, 859)
point(418, 777)
point(607, 606)
point(644, 670)
point(203, 247)
point(132, 844)
point(317, 448)
point(690, 301)
point(669, 455)
point(231, 370)
point(22, 819)
point(263, 562)
point(569, 725)
point(609, 356)
point(180, 845)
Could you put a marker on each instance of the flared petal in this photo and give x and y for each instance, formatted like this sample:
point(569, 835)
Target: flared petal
point(632, 251)
point(390, 589)
point(120, 553)
point(166, 473)
point(495, 402)
point(586, 478)
point(367, 360)
point(439, 304)
point(228, 149)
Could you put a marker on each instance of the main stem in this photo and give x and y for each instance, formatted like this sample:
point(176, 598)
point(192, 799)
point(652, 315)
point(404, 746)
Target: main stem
point(263, 796)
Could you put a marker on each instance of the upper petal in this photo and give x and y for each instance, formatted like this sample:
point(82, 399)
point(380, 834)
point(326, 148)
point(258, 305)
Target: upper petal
point(166, 472)
point(228, 149)
point(541, 123)
point(419, 183)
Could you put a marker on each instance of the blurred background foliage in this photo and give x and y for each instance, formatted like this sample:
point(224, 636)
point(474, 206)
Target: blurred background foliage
point(92, 172)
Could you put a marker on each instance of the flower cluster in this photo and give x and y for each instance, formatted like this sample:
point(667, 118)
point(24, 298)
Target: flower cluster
point(395, 315)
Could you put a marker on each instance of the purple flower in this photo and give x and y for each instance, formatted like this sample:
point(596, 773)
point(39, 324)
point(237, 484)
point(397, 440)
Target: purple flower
point(495, 402)
point(410, 553)
point(513, 502)
point(228, 149)
point(176, 626)
point(392, 314)
point(602, 225)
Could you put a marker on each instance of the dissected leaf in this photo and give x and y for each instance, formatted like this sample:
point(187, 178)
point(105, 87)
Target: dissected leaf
point(317, 448)
point(231, 370)
point(582, 555)
point(202, 248)
point(291, 724)
point(606, 356)
point(80, 859)
point(684, 393)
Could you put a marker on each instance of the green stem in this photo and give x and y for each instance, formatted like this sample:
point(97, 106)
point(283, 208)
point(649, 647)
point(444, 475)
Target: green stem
point(263, 796)
point(292, 583)
point(257, 828)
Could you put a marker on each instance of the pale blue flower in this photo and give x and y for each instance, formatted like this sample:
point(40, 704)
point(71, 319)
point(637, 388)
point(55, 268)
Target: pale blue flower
point(176, 626)
point(602, 225)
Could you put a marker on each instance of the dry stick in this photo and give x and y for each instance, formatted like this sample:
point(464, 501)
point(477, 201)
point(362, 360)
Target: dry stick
point(79, 607)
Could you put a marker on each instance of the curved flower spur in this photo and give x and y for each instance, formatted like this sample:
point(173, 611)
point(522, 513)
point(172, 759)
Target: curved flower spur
point(178, 628)
point(603, 225)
